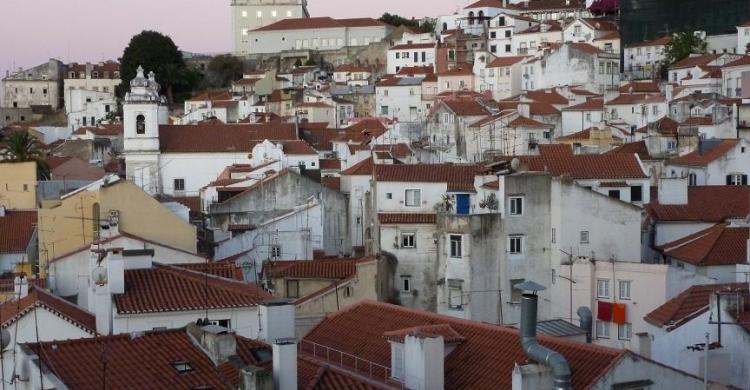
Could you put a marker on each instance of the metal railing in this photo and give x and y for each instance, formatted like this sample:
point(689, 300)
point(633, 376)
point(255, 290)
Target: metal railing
point(348, 361)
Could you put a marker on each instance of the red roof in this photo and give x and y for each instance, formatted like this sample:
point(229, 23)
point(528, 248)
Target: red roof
point(640, 87)
point(505, 61)
point(407, 218)
point(145, 291)
point(631, 148)
point(101, 130)
point(550, 96)
point(330, 163)
point(580, 135)
point(693, 61)
point(535, 108)
point(466, 107)
point(635, 98)
point(458, 177)
point(362, 168)
point(654, 42)
point(448, 334)
point(412, 70)
point(16, 231)
point(144, 361)
point(665, 126)
point(221, 138)
point(331, 182)
point(717, 245)
point(689, 304)
point(486, 3)
point(297, 148)
point(703, 206)
point(559, 160)
point(595, 104)
point(319, 23)
point(522, 121)
point(702, 158)
point(11, 311)
point(312, 269)
point(742, 61)
point(484, 358)
point(222, 270)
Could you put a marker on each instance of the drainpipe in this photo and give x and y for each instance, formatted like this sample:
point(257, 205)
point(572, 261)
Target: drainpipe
point(586, 319)
point(535, 351)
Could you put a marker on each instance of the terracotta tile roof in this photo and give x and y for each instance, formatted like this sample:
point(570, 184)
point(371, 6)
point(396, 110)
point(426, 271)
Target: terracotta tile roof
point(361, 132)
point(330, 163)
point(654, 42)
point(400, 150)
point(582, 92)
point(221, 138)
point(742, 61)
point(312, 269)
point(698, 121)
point(584, 47)
point(694, 61)
point(407, 218)
point(483, 359)
point(535, 108)
point(559, 160)
point(101, 130)
point(638, 148)
point(318, 23)
point(222, 270)
point(665, 126)
point(689, 304)
point(550, 96)
point(412, 70)
point(449, 335)
point(466, 107)
point(522, 121)
point(717, 245)
point(191, 202)
point(16, 231)
point(702, 205)
point(145, 291)
point(701, 158)
point(212, 95)
point(608, 36)
point(486, 3)
point(595, 104)
point(408, 46)
point(458, 177)
point(362, 168)
point(498, 62)
point(331, 182)
point(315, 374)
point(143, 362)
point(635, 98)
point(297, 148)
point(319, 138)
point(12, 311)
point(458, 70)
point(247, 81)
point(640, 87)
point(579, 135)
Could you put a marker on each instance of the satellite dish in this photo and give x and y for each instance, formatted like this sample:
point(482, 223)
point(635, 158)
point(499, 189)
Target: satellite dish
point(515, 163)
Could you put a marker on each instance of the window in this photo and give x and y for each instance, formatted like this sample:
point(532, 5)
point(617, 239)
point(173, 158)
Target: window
point(179, 184)
point(455, 295)
point(553, 235)
point(413, 198)
point(692, 179)
point(516, 205)
point(636, 194)
point(625, 289)
point(25, 188)
point(273, 13)
point(383, 110)
point(602, 288)
point(736, 179)
point(182, 367)
point(405, 283)
point(515, 294)
point(259, 14)
point(602, 329)
point(140, 124)
point(493, 34)
point(244, 14)
point(292, 288)
point(456, 242)
point(389, 195)
point(515, 244)
point(408, 240)
point(348, 292)
point(275, 251)
point(624, 331)
point(507, 48)
point(507, 33)
point(289, 14)
point(584, 237)
point(614, 194)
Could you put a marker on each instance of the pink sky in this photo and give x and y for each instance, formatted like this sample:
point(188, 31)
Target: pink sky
point(93, 30)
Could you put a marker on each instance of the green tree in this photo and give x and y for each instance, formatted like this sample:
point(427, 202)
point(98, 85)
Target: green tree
point(224, 69)
point(683, 44)
point(311, 62)
point(397, 21)
point(20, 146)
point(156, 52)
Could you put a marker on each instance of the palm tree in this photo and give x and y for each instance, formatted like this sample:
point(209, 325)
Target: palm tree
point(20, 146)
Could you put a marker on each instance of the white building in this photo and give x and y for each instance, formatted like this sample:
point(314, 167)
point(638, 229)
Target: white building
point(86, 107)
point(574, 64)
point(405, 55)
point(732, 75)
point(743, 38)
point(399, 98)
point(248, 15)
point(320, 33)
point(637, 109)
point(502, 28)
point(586, 30)
point(582, 116)
point(501, 76)
point(714, 163)
point(531, 40)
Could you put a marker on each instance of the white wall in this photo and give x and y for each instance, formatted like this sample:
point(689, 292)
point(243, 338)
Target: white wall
point(243, 320)
point(404, 102)
point(198, 169)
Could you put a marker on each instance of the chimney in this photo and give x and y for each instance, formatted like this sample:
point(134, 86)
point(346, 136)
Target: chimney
point(586, 320)
point(277, 320)
point(107, 277)
point(217, 342)
point(524, 109)
point(255, 378)
point(116, 271)
point(530, 345)
point(673, 190)
point(424, 359)
point(20, 287)
point(285, 364)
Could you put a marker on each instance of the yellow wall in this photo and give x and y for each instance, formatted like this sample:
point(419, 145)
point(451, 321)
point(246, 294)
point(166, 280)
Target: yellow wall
point(13, 177)
point(62, 229)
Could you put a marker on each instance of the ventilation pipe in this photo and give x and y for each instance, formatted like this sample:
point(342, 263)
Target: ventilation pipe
point(586, 319)
point(530, 345)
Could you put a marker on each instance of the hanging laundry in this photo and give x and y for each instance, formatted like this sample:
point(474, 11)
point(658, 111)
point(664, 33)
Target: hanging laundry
point(618, 313)
point(604, 311)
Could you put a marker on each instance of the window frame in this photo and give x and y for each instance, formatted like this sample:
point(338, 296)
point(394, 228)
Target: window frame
point(605, 334)
point(511, 238)
point(413, 236)
point(625, 326)
point(511, 207)
point(629, 284)
point(604, 282)
point(291, 282)
point(178, 180)
point(585, 237)
point(406, 197)
point(406, 286)
point(457, 251)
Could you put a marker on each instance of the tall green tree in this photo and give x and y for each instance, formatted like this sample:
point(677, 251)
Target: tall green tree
point(683, 44)
point(20, 146)
point(224, 69)
point(158, 53)
point(396, 21)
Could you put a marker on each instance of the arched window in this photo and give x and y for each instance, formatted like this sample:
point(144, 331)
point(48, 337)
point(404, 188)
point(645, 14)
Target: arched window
point(471, 17)
point(481, 16)
point(445, 27)
point(140, 124)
